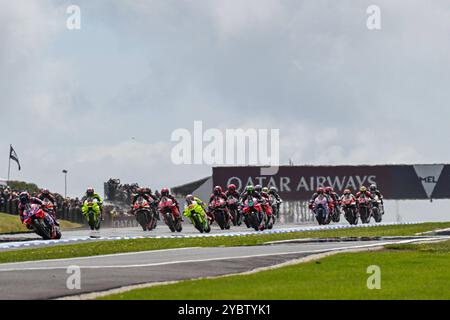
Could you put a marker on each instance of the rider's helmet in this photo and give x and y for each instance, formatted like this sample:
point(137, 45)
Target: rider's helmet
point(189, 198)
point(328, 189)
point(320, 190)
point(347, 191)
point(164, 192)
point(147, 190)
point(218, 190)
point(265, 190)
point(24, 197)
point(140, 191)
point(232, 187)
point(90, 192)
point(273, 190)
point(373, 187)
point(45, 192)
point(250, 189)
point(258, 188)
point(363, 189)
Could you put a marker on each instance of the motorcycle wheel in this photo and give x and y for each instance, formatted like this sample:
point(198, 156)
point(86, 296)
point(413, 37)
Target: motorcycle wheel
point(91, 220)
point(234, 216)
point(220, 219)
point(42, 229)
point(197, 224)
point(364, 214)
point(319, 217)
point(377, 215)
point(239, 218)
point(58, 234)
point(142, 220)
point(253, 221)
point(169, 222)
point(336, 215)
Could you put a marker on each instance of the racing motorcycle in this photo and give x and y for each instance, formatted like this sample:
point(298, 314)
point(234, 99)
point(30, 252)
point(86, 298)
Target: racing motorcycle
point(275, 205)
point(168, 211)
point(377, 208)
point(144, 213)
point(49, 207)
point(233, 206)
point(218, 208)
point(336, 216)
point(197, 215)
point(253, 214)
point(364, 208)
point(321, 210)
point(41, 222)
point(348, 205)
point(91, 211)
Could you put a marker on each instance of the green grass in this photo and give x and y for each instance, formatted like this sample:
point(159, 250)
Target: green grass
point(407, 272)
point(136, 245)
point(11, 224)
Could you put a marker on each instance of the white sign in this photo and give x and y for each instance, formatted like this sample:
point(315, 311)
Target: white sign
point(429, 175)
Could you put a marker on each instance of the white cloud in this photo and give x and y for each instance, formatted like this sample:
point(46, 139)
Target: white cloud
point(338, 93)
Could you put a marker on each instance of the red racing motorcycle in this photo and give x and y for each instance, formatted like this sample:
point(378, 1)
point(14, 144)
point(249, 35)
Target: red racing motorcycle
point(41, 222)
point(218, 208)
point(170, 214)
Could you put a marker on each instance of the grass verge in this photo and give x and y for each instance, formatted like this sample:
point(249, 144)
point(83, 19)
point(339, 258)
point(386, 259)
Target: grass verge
point(136, 245)
point(407, 272)
point(11, 224)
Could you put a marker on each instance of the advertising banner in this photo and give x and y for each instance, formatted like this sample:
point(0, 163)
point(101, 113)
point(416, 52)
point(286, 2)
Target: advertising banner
point(398, 182)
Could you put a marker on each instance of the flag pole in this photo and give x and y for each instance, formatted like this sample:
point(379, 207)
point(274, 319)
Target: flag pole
point(9, 163)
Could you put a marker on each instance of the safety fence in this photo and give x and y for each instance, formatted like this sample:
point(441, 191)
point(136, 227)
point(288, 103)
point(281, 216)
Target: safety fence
point(290, 212)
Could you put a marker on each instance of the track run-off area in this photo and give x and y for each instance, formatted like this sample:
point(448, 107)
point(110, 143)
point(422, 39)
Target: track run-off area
point(30, 240)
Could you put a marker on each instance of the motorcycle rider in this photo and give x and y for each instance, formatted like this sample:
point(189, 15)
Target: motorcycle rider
point(347, 194)
point(331, 194)
point(374, 191)
point(250, 192)
point(24, 201)
point(363, 192)
point(146, 194)
point(165, 193)
point(45, 194)
point(90, 193)
point(217, 192)
point(143, 192)
point(274, 192)
point(231, 192)
point(265, 195)
point(191, 198)
point(319, 191)
point(258, 189)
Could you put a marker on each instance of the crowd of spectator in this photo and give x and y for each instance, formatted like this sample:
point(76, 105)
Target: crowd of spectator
point(67, 208)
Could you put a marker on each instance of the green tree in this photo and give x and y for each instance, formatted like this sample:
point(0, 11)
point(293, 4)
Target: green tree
point(23, 186)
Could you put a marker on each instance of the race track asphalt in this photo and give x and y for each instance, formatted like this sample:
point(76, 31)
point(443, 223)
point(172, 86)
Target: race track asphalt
point(31, 240)
point(48, 279)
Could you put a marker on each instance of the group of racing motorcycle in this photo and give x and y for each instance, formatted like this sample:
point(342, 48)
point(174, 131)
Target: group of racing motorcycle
point(257, 207)
point(327, 206)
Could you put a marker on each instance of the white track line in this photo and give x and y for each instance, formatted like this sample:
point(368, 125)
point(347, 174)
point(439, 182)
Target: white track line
point(23, 244)
point(216, 259)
